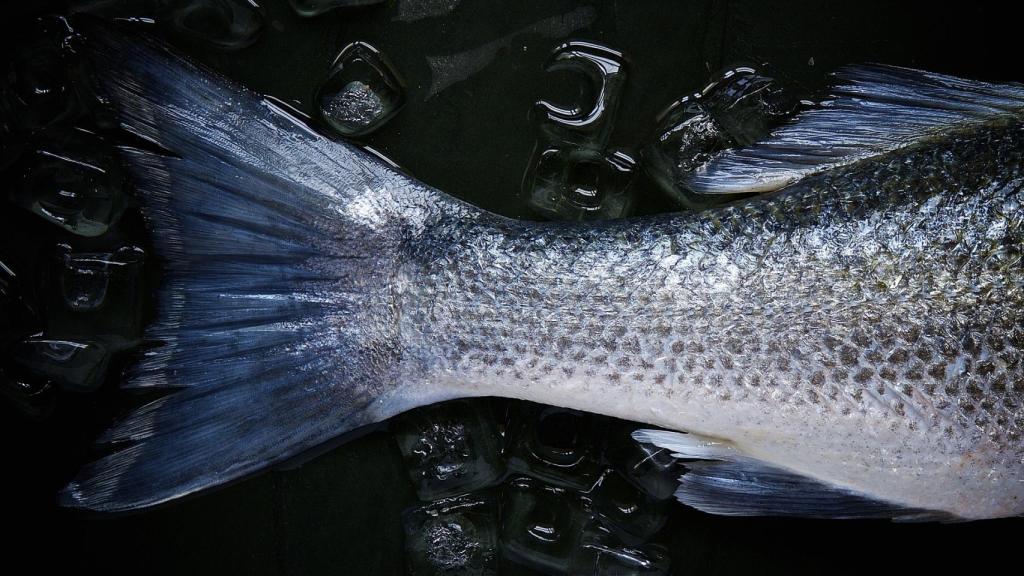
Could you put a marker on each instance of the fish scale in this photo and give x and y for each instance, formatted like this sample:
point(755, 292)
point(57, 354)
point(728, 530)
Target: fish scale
point(890, 307)
point(847, 344)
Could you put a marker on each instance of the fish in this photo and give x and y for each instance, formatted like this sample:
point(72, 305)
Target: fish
point(846, 343)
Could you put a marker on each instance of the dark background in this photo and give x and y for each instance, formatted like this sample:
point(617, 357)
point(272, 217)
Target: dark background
point(340, 512)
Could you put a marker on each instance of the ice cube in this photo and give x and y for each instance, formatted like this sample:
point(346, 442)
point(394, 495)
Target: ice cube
point(557, 445)
point(587, 125)
point(79, 366)
point(34, 398)
point(16, 317)
point(450, 448)
point(315, 7)
point(747, 103)
point(627, 510)
point(455, 536)
point(602, 554)
point(580, 183)
point(73, 180)
point(686, 139)
point(36, 92)
point(541, 525)
point(97, 297)
point(224, 24)
point(738, 109)
point(648, 467)
point(361, 92)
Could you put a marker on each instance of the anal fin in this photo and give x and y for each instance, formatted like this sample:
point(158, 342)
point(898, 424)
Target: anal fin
point(719, 479)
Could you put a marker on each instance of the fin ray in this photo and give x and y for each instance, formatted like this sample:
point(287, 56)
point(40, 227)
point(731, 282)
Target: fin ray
point(726, 482)
point(873, 109)
point(260, 335)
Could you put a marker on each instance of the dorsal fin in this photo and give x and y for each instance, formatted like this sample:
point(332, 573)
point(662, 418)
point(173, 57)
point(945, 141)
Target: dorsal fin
point(872, 110)
point(727, 482)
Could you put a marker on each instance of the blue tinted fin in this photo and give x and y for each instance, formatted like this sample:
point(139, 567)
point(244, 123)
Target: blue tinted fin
point(272, 329)
point(871, 110)
point(721, 480)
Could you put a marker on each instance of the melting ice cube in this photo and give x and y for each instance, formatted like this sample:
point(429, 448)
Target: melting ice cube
point(453, 536)
point(450, 448)
point(541, 525)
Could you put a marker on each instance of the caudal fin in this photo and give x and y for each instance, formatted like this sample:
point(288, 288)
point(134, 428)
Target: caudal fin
point(275, 317)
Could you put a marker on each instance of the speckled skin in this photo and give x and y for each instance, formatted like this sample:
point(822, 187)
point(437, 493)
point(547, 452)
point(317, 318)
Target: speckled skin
point(861, 327)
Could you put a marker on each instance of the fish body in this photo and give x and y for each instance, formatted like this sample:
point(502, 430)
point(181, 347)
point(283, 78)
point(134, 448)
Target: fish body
point(861, 327)
point(851, 338)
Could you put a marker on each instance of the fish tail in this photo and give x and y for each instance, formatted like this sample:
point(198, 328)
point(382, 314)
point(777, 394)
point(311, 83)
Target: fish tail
point(274, 330)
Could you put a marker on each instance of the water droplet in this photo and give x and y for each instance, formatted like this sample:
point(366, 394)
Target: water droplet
point(361, 93)
point(316, 7)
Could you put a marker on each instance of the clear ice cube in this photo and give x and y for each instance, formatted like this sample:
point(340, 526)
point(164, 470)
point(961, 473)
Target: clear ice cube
point(580, 183)
point(16, 317)
point(601, 553)
point(648, 467)
point(557, 445)
point(316, 7)
point(450, 448)
point(98, 296)
point(224, 24)
point(587, 125)
point(455, 536)
point(629, 511)
point(79, 366)
point(35, 88)
point(35, 399)
point(541, 525)
point(361, 92)
point(73, 180)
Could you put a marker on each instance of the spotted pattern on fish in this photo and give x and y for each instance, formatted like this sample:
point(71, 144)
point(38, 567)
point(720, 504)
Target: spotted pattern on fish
point(886, 295)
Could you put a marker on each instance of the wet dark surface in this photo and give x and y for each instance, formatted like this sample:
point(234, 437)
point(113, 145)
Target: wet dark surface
point(472, 135)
